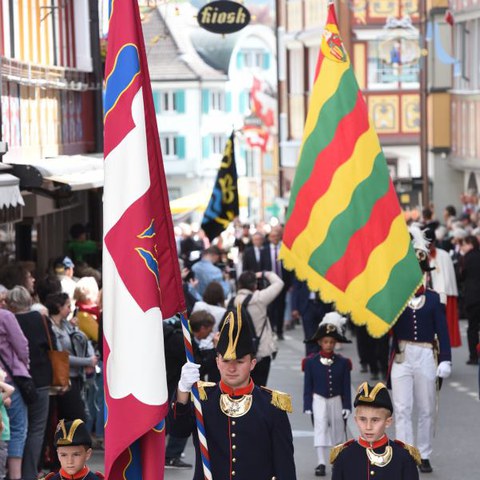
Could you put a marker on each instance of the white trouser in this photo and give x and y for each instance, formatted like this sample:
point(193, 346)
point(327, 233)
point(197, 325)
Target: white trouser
point(413, 381)
point(328, 425)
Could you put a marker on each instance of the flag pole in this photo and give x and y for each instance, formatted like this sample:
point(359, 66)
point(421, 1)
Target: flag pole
point(202, 437)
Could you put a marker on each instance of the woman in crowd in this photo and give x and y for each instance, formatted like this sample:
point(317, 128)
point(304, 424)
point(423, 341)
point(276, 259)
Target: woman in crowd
point(70, 404)
point(14, 360)
point(213, 302)
point(34, 326)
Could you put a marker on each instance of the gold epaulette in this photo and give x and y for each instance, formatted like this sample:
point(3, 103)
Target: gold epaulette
point(281, 400)
point(337, 449)
point(413, 451)
point(201, 388)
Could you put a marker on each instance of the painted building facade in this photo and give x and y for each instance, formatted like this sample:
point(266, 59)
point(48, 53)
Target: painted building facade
point(51, 118)
point(465, 95)
point(382, 38)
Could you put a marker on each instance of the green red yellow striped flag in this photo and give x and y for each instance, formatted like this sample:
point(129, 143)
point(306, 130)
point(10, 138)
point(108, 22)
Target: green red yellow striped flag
point(345, 232)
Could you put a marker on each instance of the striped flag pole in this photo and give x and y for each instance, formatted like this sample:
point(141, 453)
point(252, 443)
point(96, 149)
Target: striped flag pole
point(187, 340)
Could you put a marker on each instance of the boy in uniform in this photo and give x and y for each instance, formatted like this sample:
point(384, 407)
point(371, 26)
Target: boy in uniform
point(74, 449)
point(373, 456)
point(246, 427)
point(326, 392)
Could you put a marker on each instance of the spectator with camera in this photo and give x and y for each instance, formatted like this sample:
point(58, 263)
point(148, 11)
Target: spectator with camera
point(257, 308)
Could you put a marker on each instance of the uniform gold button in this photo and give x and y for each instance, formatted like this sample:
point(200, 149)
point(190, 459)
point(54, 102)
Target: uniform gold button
point(372, 473)
point(233, 472)
point(234, 459)
point(234, 447)
point(234, 434)
point(234, 422)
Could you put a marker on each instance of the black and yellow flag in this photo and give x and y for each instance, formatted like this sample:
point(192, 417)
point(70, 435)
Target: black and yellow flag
point(223, 206)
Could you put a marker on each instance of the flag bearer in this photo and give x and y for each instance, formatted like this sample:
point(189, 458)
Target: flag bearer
point(247, 428)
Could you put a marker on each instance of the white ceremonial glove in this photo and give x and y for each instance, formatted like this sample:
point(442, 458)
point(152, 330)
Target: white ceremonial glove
point(307, 412)
point(444, 369)
point(190, 375)
point(346, 413)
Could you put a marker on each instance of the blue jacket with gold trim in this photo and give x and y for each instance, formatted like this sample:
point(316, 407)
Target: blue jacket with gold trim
point(351, 462)
point(327, 380)
point(257, 445)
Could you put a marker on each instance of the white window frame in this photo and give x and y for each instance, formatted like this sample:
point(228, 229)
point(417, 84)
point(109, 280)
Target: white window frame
point(169, 145)
point(217, 100)
point(168, 101)
point(218, 141)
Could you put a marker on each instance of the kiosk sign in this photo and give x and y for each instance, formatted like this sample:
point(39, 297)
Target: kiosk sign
point(223, 16)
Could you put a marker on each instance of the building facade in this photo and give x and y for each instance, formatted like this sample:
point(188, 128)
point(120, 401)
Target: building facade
point(202, 87)
point(51, 117)
point(465, 95)
point(382, 39)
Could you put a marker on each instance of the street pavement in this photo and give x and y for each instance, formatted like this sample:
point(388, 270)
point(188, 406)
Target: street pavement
point(456, 439)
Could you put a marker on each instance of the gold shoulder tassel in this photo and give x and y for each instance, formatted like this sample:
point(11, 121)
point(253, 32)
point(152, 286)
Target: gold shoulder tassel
point(413, 451)
point(337, 449)
point(201, 389)
point(281, 400)
point(335, 452)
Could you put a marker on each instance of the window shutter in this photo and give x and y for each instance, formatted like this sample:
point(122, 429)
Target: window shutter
point(180, 100)
point(240, 60)
point(157, 101)
point(206, 147)
point(180, 147)
point(266, 61)
point(205, 100)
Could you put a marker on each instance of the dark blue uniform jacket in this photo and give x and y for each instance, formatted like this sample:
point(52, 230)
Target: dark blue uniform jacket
point(256, 446)
point(423, 324)
point(353, 464)
point(327, 381)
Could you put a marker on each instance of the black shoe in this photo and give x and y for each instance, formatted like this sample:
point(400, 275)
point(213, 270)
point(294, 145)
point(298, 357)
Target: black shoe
point(472, 361)
point(363, 368)
point(320, 471)
point(374, 376)
point(425, 466)
point(176, 463)
point(280, 336)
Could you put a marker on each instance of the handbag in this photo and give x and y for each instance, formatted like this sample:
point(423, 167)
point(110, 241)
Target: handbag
point(25, 385)
point(59, 361)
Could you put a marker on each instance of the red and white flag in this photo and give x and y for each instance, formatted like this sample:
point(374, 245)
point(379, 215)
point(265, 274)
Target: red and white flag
point(264, 104)
point(142, 283)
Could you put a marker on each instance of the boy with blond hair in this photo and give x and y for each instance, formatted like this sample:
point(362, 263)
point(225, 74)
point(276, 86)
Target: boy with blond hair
point(373, 456)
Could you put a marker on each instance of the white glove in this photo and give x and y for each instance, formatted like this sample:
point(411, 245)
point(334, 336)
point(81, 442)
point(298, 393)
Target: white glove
point(444, 369)
point(307, 412)
point(346, 413)
point(190, 375)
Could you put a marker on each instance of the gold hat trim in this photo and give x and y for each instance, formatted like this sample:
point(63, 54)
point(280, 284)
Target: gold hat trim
point(369, 397)
point(68, 437)
point(230, 353)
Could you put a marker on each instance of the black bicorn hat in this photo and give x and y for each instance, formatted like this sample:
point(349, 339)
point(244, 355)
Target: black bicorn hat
point(235, 339)
point(328, 330)
point(377, 396)
point(72, 433)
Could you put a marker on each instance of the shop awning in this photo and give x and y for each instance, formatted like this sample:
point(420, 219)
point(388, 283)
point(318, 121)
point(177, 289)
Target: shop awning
point(77, 172)
point(197, 201)
point(11, 199)
point(10, 195)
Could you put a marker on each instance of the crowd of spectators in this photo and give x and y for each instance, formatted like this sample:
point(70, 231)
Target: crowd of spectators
point(59, 310)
